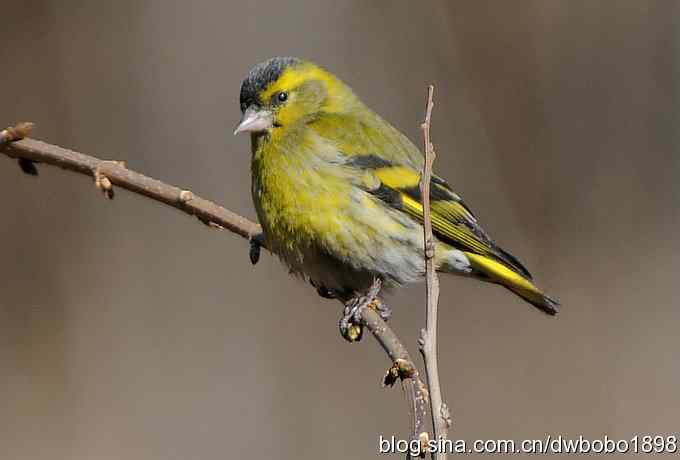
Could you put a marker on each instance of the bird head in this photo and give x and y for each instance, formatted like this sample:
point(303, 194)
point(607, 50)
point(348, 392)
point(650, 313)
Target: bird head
point(284, 91)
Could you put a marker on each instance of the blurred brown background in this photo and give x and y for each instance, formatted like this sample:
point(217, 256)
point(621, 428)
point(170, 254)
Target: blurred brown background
point(128, 330)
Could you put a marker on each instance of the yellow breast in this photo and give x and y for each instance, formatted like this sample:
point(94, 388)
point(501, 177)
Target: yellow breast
point(299, 201)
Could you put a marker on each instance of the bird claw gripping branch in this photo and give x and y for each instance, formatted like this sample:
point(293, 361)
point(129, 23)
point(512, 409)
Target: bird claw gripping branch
point(256, 243)
point(254, 252)
point(350, 325)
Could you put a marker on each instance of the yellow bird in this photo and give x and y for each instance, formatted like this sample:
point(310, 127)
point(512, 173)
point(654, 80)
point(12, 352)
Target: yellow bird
point(336, 191)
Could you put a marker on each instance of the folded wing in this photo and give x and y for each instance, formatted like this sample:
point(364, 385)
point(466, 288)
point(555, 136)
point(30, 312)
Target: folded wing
point(452, 221)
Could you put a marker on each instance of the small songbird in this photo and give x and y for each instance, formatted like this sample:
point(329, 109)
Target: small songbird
point(336, 191)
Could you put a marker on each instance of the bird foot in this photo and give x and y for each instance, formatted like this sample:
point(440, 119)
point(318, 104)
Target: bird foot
point(350, 325)
point(256, 243)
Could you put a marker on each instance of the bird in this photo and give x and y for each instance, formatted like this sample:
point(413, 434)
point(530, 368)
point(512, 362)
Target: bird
point(336, 191)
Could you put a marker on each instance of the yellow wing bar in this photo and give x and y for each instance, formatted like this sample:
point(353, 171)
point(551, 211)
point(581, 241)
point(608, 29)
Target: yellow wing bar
point(452, 221)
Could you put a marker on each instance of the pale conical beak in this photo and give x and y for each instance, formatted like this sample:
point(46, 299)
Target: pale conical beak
point(254, 120)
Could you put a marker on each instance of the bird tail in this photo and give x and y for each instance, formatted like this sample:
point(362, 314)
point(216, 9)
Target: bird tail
point(522, 285)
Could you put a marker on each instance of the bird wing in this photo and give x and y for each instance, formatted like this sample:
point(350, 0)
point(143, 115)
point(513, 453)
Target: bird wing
point(453, 222)
point(387, 164)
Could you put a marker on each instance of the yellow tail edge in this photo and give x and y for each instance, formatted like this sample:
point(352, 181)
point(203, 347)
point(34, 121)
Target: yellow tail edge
point(501, 274)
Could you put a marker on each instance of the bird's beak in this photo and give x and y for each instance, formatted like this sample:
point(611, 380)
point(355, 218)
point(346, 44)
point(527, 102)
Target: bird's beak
point(255, 120)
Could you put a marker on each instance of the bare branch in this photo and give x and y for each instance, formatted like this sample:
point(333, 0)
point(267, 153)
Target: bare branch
point(107, 174)
point(428, 336)
point(403, 368)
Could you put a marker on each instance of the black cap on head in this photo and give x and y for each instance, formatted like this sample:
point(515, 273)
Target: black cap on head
point(261, 76)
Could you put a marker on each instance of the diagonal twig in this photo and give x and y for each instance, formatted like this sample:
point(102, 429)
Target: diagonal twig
point(117, 174)
point(403, 368)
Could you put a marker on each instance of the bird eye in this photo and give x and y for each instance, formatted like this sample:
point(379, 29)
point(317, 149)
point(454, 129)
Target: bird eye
point(282, 96)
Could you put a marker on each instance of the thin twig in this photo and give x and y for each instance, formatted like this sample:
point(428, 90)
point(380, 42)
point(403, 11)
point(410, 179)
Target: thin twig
point(111, 173)
point(107, 174)
point(403, 367)
point(428, 336)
